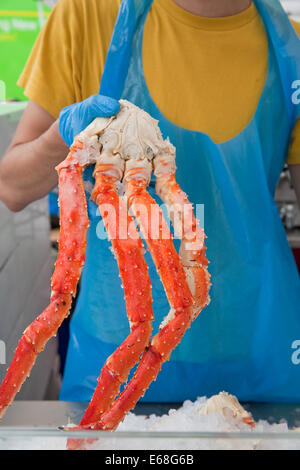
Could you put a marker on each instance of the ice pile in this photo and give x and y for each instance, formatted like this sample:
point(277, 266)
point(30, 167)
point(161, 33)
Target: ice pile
point(219, 414)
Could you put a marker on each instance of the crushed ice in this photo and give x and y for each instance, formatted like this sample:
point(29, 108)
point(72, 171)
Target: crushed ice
point(221, 413)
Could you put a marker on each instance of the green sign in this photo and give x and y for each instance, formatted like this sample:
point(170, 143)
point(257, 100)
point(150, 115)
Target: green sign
point(20, 23)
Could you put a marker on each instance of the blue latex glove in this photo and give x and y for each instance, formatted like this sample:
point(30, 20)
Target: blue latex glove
point(76, 117)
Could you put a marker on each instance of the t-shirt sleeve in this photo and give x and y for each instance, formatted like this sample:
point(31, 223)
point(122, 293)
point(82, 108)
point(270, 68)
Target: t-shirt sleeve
point(294, 149)
point(51, 76)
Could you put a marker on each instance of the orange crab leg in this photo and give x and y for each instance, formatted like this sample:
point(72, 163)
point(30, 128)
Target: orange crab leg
point(137, 290)
point(173, 277)
point(30, 345)
point(193, 259)
point(74, 223)
point(195, 265)
point(158, 352)
point(165, 257)
point(180, 318)
point(133, 269)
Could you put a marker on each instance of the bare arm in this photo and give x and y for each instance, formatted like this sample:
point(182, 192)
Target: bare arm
point(27, 169)
point(295, 174)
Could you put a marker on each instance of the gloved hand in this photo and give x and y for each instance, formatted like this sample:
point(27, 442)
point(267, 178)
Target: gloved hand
point(76, 117)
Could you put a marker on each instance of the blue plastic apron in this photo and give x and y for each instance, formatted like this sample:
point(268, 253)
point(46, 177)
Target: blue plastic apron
point(242, 342)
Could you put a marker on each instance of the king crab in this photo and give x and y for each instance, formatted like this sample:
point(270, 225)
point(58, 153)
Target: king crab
point(128, 147)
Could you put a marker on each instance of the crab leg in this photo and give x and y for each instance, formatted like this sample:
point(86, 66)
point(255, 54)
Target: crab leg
point(128, 250)
point(173, 277)
point(195, 265)
point(161, 246)
point(180, 210)
point(72, 242)
point(31, 343)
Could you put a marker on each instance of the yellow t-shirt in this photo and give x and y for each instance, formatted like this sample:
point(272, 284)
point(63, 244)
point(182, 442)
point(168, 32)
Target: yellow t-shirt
point(204, 74)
